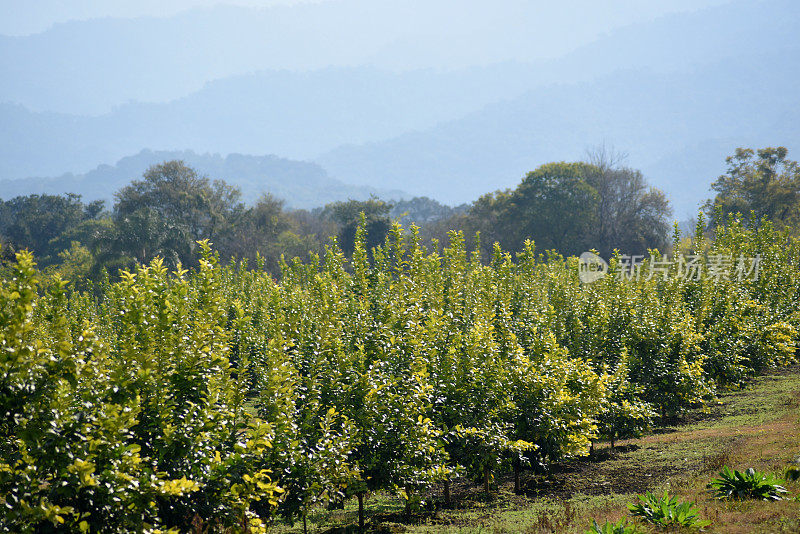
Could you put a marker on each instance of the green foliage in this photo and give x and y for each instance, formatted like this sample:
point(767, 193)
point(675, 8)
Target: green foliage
point(36, 222)
point(423, 210)
point(572, 207)
point(559, 207)
point(262, 230)
point(620, 527)
point(558, 400)
point(667, 512)
point(144, 431)
point(750, 484)
point(168, 211)
point(348, 215)
point(221, 394)
point(759, 185)
point(624, 414)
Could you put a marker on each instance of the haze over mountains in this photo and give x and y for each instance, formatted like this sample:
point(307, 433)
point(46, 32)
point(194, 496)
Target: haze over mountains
point(89, 66)
point(303, 185)
point(431, 98)
point(672, 126)
point(293, 114)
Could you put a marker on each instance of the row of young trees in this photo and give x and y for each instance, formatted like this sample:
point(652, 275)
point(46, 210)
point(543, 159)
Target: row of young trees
point(221, 397)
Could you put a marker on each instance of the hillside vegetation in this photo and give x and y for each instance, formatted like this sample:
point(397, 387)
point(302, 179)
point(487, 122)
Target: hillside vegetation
point(223, 399)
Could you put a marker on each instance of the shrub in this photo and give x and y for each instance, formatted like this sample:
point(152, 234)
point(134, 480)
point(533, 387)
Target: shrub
point(141, 433)
point(620, 527)
point(751, 484)
point(667, 512)
point(793, 473)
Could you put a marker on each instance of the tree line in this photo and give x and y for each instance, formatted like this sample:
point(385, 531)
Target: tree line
point(597, 204)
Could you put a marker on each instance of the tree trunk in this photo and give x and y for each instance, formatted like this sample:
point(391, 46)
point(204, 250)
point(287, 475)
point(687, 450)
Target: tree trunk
point(447, 502)
point(613, 435)
point(486, 474)
point(591, 448)
point(517, 487)
point(361, 510)
point(305, 525)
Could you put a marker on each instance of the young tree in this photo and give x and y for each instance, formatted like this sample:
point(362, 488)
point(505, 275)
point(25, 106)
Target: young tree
point(623, 414)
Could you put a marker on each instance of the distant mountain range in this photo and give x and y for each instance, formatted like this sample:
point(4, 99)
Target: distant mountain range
point(300, 184)
point(677, 128)
point(293, 114)
point(90, 66)
point(678, 93)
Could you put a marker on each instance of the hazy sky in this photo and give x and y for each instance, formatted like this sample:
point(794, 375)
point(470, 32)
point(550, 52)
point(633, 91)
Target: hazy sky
point(19, 17)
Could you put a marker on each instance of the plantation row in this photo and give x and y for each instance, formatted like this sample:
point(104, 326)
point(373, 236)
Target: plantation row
point(223, 396)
